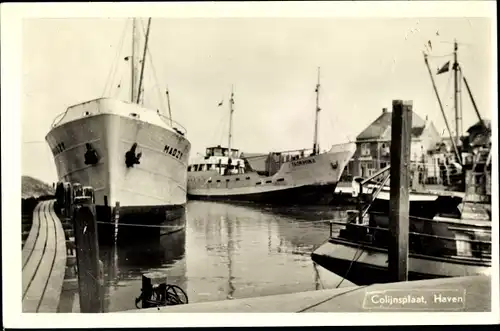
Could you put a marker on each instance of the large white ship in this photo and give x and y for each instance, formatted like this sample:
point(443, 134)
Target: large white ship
point(128, 153)
point(290, 177)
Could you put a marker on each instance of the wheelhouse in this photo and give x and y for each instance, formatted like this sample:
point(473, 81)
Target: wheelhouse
point(221, 160)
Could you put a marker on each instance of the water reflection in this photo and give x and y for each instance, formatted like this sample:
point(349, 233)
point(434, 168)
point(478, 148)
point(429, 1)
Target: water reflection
point(226, 251)
point(152, 249)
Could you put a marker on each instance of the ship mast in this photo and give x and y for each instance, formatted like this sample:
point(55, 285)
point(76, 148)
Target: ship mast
point(143, 61)
point(315, 144)
point(132, 62)
point(442, 109)
point(231, 110)
point(458, 117)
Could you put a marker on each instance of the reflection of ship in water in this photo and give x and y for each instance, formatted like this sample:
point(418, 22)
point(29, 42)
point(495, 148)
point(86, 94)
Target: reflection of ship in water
point(214, 243)
point(230, 251)
point(298, 225)
point(247, 252)
point(305, 212)
point(126, 261)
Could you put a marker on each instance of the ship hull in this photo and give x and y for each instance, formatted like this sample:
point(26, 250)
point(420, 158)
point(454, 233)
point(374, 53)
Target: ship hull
point(365, 265)
point(306, 194)
point(155, 185)
point(311, 180)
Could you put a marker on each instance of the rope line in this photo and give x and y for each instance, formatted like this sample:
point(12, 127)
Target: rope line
point(114, 67)
point(439, 56)
point(155, 77)
point(142, 225)
point(330, 298)
point(354, 259)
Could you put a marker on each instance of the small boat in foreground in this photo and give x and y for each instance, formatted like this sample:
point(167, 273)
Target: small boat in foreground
point(359, 252)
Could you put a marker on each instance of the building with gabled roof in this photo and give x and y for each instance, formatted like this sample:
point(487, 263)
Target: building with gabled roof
point(373, 144)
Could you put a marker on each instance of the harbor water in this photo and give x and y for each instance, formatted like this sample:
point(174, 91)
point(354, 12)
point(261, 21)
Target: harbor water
point(226, 251)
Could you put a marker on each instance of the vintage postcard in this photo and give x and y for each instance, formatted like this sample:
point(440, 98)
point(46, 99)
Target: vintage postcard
point(273, 158)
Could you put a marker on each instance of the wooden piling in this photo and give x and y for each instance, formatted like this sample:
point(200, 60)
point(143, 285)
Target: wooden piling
point(116, 219)
point(68, 200)
point(359, 200)
point(400, 182)
point(147, 291)
point(87, 253)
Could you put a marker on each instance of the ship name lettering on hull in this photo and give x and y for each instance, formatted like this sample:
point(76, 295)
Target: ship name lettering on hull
point(173, 151)
point(303, 162)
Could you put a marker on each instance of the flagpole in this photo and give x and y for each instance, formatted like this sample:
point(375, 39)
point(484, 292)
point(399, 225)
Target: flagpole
point(169, 109)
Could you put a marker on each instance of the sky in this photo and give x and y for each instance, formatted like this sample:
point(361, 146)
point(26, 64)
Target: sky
point(271, 64)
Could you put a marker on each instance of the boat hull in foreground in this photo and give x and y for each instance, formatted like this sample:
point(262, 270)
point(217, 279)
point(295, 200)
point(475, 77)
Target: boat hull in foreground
point(365, 265)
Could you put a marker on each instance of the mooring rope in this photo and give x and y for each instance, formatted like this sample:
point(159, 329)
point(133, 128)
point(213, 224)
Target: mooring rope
point(142, 225)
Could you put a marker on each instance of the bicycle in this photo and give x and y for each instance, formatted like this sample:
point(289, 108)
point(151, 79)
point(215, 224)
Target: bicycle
point(162, 295)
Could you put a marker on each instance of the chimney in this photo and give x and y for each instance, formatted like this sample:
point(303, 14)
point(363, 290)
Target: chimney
point(384, 110)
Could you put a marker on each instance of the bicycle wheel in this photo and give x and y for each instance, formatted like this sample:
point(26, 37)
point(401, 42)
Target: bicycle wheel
point(176, 295)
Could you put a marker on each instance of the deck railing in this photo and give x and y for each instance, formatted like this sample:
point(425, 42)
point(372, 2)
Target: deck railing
point(176, 126)
point(366, 234)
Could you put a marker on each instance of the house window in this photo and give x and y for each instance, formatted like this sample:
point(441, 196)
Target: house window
point(383, 165)
point(365, 149)
point(385, 150)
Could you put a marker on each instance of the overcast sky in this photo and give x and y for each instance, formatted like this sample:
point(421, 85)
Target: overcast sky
point(272, 63)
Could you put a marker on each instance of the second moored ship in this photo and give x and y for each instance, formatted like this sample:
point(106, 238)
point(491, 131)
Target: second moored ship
point(291, 177)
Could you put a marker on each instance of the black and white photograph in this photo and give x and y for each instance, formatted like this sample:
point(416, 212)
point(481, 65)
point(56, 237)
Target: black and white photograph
point(249, 157)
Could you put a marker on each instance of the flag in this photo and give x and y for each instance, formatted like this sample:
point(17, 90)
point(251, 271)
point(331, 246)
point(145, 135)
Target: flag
point(444, 68)
point(220, 103)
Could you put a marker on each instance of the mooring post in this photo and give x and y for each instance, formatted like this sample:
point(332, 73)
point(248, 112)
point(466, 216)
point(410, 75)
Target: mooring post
point(400, 182)
point(116, 219)
point(147, 291)
point(149, 282)
point(68, 200)
point(359, 181)
point(87, 255)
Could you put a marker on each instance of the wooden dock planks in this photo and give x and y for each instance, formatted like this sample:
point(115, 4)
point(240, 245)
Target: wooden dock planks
point(35, 259)
point(52, 294)
point(32, 237)
point(44, 260)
